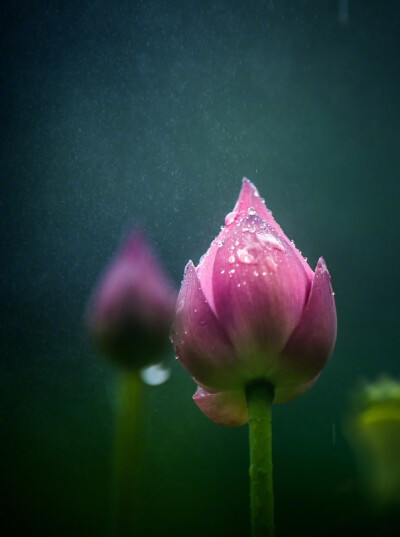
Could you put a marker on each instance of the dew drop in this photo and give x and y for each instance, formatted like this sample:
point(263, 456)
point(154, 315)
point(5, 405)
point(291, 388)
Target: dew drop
point(222, 271)
point(251, 211)
point(245, 257)
point(238, 284)
point(333, 293)
point(270, 241)
point(272, 265)
point(230, 218)
point(232, 271)
point(220, 244)
point(256, 273)
point(231, 259)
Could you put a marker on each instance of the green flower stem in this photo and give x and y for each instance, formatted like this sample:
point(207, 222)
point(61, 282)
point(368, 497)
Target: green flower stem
point(127, 454)
point(259, 397)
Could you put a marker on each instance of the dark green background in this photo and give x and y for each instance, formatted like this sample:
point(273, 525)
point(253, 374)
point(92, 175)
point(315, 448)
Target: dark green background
point(117, 113)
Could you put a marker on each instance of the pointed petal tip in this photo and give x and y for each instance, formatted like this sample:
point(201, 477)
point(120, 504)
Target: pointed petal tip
point(250, 197)
point(321, 269)
point(189, 267)
point(321, 263)
point(246, 183)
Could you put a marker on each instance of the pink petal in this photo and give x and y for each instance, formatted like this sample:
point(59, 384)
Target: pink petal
point(260, 289)
point(133, 289)
point(250, 198)
point(287, 392)
point(224, 408)
point(206, 266)
point(313, 339)
point(200, 342)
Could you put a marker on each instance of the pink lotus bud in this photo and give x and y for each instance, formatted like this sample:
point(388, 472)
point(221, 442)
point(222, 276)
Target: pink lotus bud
point(132, 307)
point(252, 309)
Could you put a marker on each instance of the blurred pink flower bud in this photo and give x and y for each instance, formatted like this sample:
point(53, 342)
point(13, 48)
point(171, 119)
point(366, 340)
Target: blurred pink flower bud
point(131, 310)
point(252, 309)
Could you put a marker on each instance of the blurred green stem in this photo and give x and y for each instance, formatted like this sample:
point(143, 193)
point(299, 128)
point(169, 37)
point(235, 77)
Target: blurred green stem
point(127, 454)
point(259, 397)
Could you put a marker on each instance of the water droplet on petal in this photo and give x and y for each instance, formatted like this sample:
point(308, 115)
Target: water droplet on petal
point(272, 265)
point(251, 211)
point(270, 241)
point(245, 257)
point(231, 259)
point(230, 218)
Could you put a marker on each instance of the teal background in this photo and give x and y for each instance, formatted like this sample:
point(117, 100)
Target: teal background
point(124, 113)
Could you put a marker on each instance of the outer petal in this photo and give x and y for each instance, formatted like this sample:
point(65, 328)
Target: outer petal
point(200, 343)
point(224, 408)
point(286, 391)
point(260, 289)
point(313, 339)
point(206, 266)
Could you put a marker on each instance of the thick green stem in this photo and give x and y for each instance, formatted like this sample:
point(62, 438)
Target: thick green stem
point(127, 454)
point(259, 402)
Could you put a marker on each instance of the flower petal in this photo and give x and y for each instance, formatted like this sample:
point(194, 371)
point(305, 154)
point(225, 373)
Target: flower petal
point(206, 266)
point(249, 198)
point(285, 392)
point(224, 408)
point(313, 339)
point(200, 342)
point(260, 288)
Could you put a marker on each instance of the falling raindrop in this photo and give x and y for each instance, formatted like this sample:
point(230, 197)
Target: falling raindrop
point(155, 375)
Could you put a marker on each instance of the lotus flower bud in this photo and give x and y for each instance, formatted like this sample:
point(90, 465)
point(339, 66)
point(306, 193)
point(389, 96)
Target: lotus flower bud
point(132, 307)
point(373, 430)
point(252, 309)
